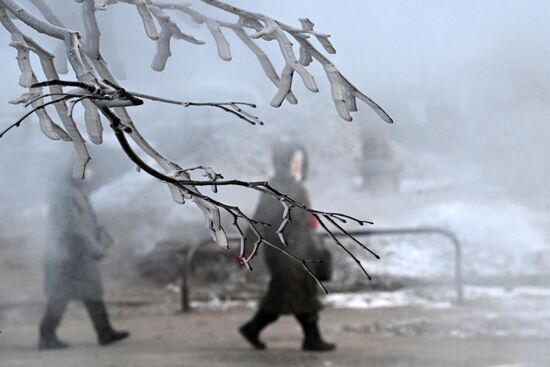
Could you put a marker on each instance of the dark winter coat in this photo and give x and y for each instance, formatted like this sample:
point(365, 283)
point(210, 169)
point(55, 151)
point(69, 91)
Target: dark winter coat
point(72, 260)
point(291, 289)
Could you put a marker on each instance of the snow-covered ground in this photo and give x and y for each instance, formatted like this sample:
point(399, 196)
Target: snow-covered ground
point(439, 297)
point(518, 312)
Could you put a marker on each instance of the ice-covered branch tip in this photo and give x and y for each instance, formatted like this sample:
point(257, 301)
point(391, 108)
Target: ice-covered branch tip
point(230, 107)
point(110, 95)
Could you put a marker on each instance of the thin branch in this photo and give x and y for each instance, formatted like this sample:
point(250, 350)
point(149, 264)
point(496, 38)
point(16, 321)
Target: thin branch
point(343, 231)
point(75, 102)
point(21, 119)
point(42, 96)
point(357, 261)
point(230, 107)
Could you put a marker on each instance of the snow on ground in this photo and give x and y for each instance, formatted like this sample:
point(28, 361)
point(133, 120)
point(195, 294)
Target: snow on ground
point(496, 312)
point(426, 297)
point(368, 300)
point(439, 297)
point(519, 312)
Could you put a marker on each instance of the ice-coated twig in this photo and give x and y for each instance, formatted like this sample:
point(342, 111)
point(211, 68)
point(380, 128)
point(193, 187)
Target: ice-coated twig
point(224, 48)
point(93, 122)
point(35, 109)
point(210, 173)
point(286, 220)
point(147, 18)
point(266, 64)
point(343, 92)
point(49, 128)
point(230, 107)
point(169, 30)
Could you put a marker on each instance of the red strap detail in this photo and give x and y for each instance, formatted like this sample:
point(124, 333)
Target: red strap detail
point(313, 222)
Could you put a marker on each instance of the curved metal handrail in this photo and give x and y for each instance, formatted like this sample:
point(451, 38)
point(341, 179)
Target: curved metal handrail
point(453, 239)
point(191, 252)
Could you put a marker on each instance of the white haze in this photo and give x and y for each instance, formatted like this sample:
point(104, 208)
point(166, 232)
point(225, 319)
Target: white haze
point(468, 84)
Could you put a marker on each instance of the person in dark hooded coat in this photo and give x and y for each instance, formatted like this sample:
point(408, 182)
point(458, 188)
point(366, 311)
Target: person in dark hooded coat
point(72, 264)
point(291, 289)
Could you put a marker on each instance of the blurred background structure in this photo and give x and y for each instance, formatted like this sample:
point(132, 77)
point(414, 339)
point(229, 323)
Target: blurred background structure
point(468, 84)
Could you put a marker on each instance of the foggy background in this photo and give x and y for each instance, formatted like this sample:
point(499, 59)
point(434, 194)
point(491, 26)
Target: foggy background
point(467, 84)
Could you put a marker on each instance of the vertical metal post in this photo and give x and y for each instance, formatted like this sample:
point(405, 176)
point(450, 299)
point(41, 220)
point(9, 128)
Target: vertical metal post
point(184, 283)
point(458, 274)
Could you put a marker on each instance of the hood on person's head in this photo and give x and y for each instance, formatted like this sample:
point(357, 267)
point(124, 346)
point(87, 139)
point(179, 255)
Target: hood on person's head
point(282, 156)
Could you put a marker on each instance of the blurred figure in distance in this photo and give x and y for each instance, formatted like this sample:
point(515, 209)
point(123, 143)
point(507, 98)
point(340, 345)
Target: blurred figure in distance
point(291, 289)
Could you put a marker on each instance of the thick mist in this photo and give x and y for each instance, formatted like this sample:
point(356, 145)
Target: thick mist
point(465, 80)
point(467, 84)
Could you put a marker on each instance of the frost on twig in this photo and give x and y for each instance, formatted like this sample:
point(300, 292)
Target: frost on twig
point(169, 30)
point(344, 93)
point(24, 45)
point(104, 99)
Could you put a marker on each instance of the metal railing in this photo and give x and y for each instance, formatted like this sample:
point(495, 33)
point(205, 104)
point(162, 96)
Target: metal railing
point(190, 254)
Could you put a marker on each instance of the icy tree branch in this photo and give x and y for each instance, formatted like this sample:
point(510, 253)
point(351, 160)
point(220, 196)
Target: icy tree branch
point(100, 94)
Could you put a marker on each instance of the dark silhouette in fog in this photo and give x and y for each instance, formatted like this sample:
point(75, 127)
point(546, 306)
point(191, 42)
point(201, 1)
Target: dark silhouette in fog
point(72, 263)
point(291, 290)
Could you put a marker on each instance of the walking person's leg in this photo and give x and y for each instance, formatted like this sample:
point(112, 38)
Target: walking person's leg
point(55, 309)
point(102, 325)
point(252, 329)
point(312, 335)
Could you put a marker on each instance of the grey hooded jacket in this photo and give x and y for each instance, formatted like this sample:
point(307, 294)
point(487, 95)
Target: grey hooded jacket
point(72, 260)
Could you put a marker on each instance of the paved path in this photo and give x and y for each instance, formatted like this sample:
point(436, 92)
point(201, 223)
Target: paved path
point(209, 339)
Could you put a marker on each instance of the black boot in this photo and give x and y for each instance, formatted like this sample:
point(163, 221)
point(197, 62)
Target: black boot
point(51, 342)
point(100, 319)
point(113, 337)
point(50, 322)
point(312, 335)
point(252, 329)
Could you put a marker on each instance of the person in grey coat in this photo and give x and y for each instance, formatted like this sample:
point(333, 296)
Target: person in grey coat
point(72, 264)
point(291, 289)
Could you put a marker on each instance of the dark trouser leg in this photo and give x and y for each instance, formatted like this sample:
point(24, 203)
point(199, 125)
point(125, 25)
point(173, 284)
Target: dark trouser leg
point(55, 309)
point(312, 335)
point(99, 316)
point(309, 323)
point(252, 329)
point(102, 325)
